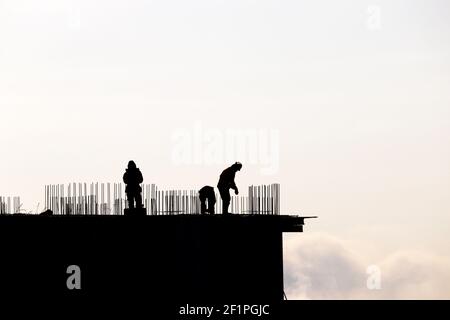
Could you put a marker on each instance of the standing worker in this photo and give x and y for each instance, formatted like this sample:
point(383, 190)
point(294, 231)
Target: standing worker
point(226, 182)
point(133, 178)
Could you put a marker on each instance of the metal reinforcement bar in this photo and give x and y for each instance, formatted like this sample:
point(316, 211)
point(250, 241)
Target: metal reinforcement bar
point(110, 199)
point(9, 207)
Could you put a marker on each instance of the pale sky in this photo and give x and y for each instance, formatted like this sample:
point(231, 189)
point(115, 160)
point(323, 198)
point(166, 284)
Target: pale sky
point(357, 91)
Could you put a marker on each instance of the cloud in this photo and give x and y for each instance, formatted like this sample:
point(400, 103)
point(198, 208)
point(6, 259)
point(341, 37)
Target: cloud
point(416, 275)
point(318, 266)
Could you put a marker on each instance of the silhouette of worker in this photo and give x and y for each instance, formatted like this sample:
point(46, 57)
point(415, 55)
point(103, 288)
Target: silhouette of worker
point(207, 194)
point(226, 182)
point(132, 178)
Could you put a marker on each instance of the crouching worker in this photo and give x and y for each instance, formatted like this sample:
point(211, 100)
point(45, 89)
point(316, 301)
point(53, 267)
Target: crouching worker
point(207, 194)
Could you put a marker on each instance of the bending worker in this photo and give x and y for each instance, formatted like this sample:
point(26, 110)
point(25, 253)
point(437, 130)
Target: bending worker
point(226, 182)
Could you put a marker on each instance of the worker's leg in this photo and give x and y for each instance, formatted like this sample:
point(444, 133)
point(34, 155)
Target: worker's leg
point(226, 204)
point(138, 198)
point(211, 204)
point(130, 197)
point(202, 204)
point(225, 195)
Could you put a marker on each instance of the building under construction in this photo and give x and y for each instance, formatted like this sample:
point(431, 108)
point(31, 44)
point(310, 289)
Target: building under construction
point(161, 257)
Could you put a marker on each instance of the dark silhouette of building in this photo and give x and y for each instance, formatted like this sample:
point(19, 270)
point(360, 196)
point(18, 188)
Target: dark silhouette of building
point(133, 178)
point(207, 194)
point(226, 182)
point(175, 258)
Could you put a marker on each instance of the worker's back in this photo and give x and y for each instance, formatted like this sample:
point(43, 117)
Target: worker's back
point(132, 177)
point(206, 191)
point(227, 178)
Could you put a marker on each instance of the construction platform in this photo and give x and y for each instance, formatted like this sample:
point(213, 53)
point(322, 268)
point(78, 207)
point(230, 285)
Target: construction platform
point(184, 258)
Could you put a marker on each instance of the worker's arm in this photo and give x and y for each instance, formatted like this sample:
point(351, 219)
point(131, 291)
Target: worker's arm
point(234, 187)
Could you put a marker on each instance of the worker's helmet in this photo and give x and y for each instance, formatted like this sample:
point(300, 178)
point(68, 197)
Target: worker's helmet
point(131, 165)
point(237, 166)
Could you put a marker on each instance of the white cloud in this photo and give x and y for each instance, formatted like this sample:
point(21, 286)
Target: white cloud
point(318, 266)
